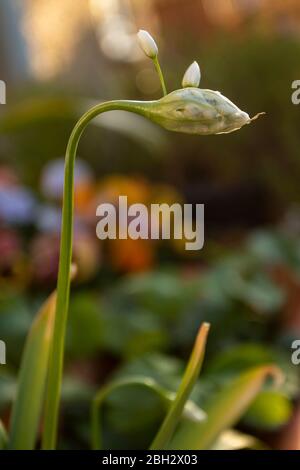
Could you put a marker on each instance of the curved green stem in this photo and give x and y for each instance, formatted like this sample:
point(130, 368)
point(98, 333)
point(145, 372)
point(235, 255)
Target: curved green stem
point(63, 284)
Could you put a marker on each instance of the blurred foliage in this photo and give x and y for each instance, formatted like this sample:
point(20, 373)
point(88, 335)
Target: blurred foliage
point(138, 325)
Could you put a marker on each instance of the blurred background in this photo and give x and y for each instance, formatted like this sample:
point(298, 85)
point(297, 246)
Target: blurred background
point(136, 305)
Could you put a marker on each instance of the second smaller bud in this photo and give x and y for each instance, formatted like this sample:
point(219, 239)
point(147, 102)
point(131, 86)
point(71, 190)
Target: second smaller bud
point(192, 76)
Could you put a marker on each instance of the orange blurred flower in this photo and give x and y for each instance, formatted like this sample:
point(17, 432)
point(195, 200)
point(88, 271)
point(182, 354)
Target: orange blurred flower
point(132, 255)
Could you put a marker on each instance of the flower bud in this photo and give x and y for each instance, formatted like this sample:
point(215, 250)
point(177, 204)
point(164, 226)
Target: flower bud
point(195, 111)
point(147, 44)
point(192, 76)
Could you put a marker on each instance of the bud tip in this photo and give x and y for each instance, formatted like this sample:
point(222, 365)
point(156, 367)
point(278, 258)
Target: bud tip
point(147, 44)
point(192, 76)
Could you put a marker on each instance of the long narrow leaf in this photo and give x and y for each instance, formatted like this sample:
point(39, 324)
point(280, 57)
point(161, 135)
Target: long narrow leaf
point(189, 379)
point(33, 371)
point(224, 409)
point(191, 411)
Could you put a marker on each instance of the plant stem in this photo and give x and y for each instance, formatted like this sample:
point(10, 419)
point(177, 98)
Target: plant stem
point(63, 284)
point(160, 74)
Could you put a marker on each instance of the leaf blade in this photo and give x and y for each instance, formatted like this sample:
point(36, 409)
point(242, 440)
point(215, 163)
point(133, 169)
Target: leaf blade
point(224, 410)
point(189, 379)
point(32, 378)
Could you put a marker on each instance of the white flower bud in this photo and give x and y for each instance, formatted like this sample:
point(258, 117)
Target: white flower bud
point(147, 44)
point(192, 76)
point(195, 111)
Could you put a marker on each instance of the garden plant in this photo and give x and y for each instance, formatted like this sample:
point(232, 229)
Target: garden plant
point(182, 423)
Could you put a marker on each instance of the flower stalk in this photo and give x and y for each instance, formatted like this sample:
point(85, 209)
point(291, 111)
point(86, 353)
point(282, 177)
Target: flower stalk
point(53, 388)
point(160, 75)
point(189, 110)
point(150, 49)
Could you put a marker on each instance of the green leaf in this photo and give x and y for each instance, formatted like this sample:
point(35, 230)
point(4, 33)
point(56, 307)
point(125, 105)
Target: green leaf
point(270, 410)
point(27, 406)
point(165, 293)
point(224, 409)
point(164, 369)
point(85, 315)
point(124, 407)
point(189, 379)
point(105, 392)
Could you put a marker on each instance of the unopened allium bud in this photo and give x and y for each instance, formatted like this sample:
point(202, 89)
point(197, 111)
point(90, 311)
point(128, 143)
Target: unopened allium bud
point(192, 76)
point(195, 111)
point(147, 44)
